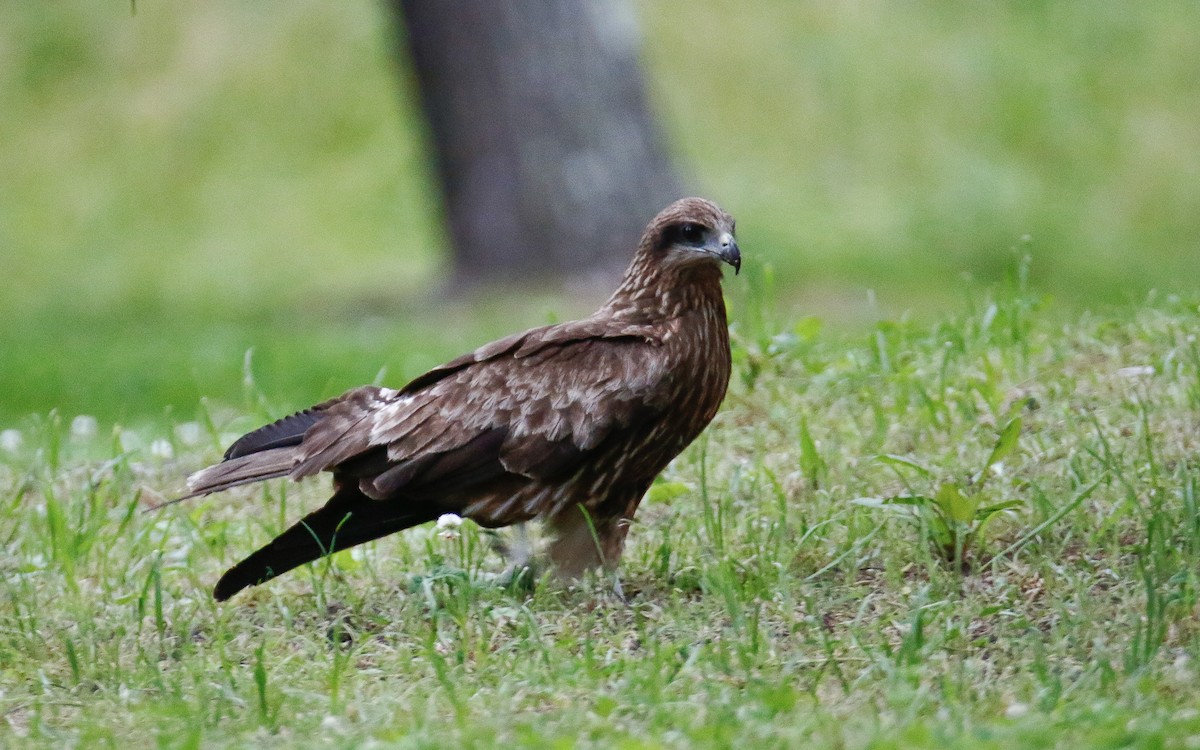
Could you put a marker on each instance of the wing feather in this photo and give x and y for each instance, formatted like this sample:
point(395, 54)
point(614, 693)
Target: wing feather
point(530, 406)
point(340, 436)
point(291, 429)
point(446, 473)
point(553, 408)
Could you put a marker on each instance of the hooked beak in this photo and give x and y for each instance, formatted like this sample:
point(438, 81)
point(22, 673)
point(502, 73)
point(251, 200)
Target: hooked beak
point(727, 250)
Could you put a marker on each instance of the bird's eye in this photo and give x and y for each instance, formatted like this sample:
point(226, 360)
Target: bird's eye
point(691, 233)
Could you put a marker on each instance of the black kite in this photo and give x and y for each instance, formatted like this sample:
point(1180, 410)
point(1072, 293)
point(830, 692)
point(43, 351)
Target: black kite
point(568, 423)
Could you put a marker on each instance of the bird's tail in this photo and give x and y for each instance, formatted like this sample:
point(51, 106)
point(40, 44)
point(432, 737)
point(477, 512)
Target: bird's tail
point(348, 519)
point(266, 453)
point(255, 467)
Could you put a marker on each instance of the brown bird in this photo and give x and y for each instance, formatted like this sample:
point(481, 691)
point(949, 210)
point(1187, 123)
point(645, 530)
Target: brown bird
point(568, 423)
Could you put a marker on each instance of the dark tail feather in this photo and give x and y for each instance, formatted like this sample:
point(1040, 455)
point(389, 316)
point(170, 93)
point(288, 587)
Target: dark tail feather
point(348, 519)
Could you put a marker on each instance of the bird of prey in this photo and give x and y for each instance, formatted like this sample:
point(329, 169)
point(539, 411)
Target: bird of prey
point(568, 423)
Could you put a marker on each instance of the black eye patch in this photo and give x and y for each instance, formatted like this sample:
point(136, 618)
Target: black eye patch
point(686, 233)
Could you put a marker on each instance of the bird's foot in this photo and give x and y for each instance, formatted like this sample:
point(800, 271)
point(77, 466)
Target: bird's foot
point(518, 578)
point(618, 590)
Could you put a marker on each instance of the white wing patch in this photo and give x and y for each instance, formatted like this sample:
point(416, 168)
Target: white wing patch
point(389, 414)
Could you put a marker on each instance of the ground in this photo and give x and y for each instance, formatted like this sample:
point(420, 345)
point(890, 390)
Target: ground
point(217, 213)
point(763, 604)
point(183, 184)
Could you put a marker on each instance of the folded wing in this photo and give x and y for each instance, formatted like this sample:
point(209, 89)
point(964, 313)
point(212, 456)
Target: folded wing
point(524, 411)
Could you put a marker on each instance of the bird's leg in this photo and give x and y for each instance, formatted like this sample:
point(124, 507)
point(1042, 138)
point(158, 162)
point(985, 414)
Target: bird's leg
point(583, 542)
point(518, 550)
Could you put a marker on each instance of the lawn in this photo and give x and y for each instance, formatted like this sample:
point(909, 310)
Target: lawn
point(954, 219)
point(183, 184)
point(770, 600)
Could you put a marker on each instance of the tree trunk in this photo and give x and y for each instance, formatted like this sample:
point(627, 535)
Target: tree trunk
point(549, 160)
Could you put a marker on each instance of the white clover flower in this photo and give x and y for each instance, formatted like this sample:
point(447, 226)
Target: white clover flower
point(83, 427)
point(10, 440)
point(449, 521)
point(162, 449)
point(189, 433)
point(129, 441)
point(447, 526)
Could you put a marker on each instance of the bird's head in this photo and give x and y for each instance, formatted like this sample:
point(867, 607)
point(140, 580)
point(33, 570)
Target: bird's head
point(692, 231)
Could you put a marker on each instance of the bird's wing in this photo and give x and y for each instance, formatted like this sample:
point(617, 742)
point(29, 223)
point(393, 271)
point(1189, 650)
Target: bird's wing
point(529, 406)
point(290, 430)
point(271, 451)
point(530, 342)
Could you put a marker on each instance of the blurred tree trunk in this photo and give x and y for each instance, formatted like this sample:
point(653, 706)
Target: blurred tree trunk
point(549, 159)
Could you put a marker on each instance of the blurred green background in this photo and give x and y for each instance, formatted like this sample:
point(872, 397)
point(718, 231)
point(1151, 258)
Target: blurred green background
point(184, 184)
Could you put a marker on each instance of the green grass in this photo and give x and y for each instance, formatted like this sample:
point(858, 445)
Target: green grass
point(185, 183)
point(765, 607)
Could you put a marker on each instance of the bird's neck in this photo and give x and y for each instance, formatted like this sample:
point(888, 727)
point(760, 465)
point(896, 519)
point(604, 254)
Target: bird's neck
point(655, 292)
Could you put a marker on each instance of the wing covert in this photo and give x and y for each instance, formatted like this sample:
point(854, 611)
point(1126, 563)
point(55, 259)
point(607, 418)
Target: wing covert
point(554, 404)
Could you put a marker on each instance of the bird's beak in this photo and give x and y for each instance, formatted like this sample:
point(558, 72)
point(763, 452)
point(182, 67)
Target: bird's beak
point(727, 250)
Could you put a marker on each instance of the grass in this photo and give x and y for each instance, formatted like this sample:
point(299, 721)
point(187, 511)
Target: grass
point(182, 184)
point(764, 605)
point(185, 185)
